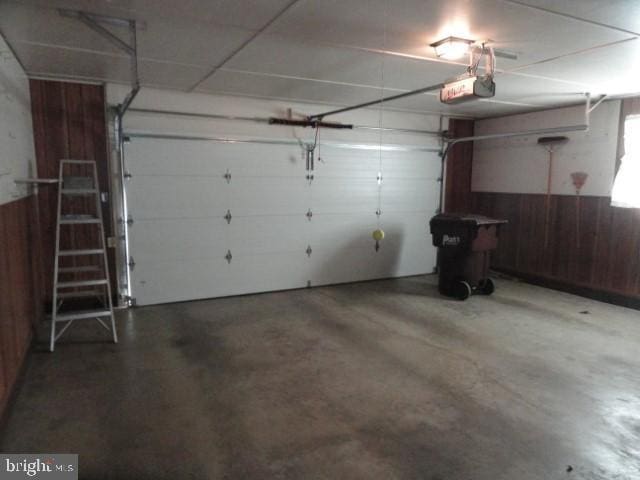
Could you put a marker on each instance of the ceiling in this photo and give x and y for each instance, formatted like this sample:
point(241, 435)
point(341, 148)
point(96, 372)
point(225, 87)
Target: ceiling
point(340, 51)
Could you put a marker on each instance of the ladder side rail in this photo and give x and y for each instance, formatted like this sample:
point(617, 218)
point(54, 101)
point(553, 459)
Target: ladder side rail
point(54, 303)
point(103, 244)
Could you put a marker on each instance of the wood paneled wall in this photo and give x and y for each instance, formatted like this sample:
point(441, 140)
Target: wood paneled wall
point(458, 171)
point(591, 245)
point(69, 122)
point(592, 248)
point(20, 305)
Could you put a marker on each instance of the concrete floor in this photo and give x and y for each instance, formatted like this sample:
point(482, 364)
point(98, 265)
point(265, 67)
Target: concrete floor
point(376, 380)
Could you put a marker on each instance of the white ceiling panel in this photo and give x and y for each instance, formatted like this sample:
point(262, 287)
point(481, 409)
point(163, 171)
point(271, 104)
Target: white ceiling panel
point(169, 75)
point(166, 40)
point(236, 83)
point(278, 55)
point(413, 24)
point(250, 14)
point(66, 63)
point(44, 25)
point(333, 51)
point(613, 70)
point(623, 14)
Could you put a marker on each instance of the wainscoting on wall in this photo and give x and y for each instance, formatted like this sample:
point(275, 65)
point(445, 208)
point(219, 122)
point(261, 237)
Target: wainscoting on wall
point(591, 247)
point(20, 305)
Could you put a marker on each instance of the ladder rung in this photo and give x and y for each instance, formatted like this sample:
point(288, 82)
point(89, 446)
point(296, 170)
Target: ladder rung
point(81, 294)
point(79, 191)
point(65, 317)
point(76, 221)
point(88, 268)
point(82, 283)
point(69, 253)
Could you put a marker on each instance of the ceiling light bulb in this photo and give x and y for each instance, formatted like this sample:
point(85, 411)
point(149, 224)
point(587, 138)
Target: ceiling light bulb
point(451, 48)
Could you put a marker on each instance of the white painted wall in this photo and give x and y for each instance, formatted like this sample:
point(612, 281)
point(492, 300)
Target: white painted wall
point(17, 157)
point(520, 165)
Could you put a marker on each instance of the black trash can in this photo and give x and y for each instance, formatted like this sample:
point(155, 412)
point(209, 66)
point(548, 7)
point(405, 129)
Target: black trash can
point(464, 244)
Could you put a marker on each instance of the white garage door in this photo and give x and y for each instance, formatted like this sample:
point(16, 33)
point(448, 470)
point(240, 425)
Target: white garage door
point(214, 219)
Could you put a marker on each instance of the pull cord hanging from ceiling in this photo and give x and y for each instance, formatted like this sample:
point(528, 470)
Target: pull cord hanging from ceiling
point(378, 234)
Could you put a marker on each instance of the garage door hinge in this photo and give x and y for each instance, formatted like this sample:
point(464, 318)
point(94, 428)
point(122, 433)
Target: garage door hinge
point(227, 176)
point(132, 263)
point(378, 212)
point(129, 220)
point(228, 216)
point(309, 214)
point(228, 256)
point(309, 250)
point(127, 175)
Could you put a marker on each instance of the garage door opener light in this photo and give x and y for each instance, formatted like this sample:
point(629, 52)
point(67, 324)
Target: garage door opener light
point(452, 48)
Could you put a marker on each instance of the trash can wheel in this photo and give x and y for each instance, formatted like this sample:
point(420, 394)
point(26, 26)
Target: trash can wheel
point(461, 290)
point(486, 286)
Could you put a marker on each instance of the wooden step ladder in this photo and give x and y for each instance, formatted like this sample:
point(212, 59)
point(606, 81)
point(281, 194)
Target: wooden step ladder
point(78, 180)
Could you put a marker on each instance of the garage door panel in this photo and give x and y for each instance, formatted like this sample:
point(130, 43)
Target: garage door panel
point(178, 239)
point(248, 160)
point(179, 280)
point(413, 258)
point(269, 196)
point(152, 156)
point(342, 231)
point(344, 195)
point(177, 197)
point(403, 226)
point(340, 265)
point(269, 234)
point(268, 272)
point(425, 165)
point(350, 163)
point(409, 195)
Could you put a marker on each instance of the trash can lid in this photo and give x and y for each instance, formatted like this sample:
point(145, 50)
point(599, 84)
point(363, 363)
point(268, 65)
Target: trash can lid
point(467, 218)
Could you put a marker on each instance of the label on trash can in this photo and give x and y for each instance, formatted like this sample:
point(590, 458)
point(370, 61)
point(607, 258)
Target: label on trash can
point(448, 240)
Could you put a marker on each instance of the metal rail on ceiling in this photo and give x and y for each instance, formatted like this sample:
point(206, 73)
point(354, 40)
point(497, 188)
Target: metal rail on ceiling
point(214, 116)
point(261, 141)
point(430, 88)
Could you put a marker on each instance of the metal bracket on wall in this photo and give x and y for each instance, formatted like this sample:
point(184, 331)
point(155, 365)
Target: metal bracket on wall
point(309, 214)
point(379, 178)
point(129, 220)
point(97, 23)
point(227, 176)
point(228, 256)
point(132, 263)
point(309, 251)
point(228, 217)
point(378, 212)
